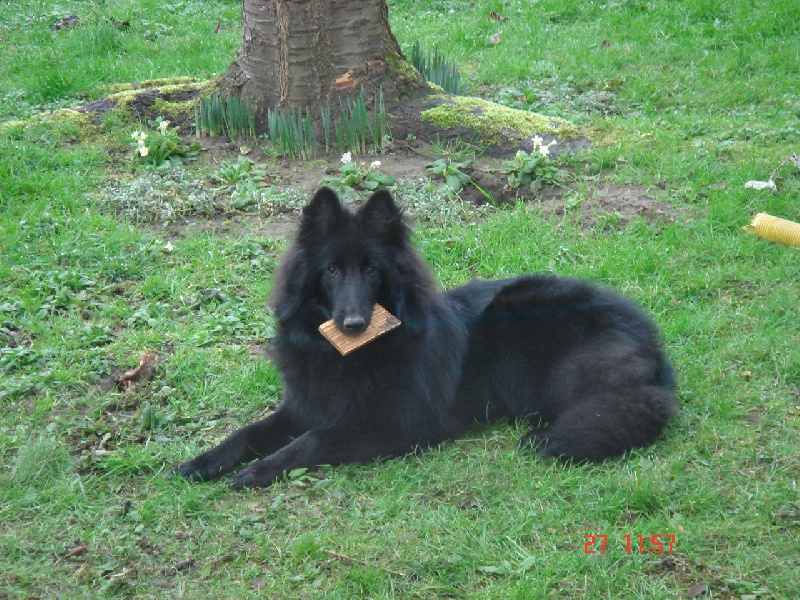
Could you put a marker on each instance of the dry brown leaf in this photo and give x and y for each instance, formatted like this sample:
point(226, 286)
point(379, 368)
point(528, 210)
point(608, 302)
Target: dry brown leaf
point(143, 372)
point(76, 551)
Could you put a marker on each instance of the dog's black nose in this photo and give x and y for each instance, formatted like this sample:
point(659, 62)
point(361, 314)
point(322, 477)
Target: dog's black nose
point(354, 325)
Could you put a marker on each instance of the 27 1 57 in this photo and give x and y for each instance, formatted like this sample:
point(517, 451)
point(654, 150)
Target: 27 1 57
point(656, 543)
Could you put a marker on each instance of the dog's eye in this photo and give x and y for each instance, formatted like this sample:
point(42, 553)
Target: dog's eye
point(369, 270)
point(333, 269)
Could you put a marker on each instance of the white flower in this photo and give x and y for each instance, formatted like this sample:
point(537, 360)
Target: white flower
point(135, 135)
point(346, 158)
point(374, 165)
point(141, 142)
point(143, 150)
point(539, 145)
point(162, 127)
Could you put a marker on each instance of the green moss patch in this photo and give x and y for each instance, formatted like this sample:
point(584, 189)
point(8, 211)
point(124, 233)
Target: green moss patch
point(63, 122)
point(495, 122)
point(170, 93)
point(403, 67)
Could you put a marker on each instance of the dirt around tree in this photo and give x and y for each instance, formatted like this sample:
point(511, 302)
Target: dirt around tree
point(415, 144)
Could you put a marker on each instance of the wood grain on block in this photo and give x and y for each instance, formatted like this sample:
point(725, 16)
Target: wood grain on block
point(382, 322)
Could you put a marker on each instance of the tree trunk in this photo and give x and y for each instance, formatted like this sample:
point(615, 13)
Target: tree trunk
point(306, 53)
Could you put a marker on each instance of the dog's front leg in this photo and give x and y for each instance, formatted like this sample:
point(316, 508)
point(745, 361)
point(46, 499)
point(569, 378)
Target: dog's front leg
point(243, 445)
point(331, 446)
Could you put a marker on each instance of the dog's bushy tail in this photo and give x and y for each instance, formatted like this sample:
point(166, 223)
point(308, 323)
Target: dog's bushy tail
point(606, 424)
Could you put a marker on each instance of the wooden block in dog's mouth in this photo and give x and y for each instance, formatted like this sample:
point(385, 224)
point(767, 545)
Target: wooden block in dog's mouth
point(382, 322)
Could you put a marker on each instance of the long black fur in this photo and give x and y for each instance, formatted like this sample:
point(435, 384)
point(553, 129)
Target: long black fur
point(578, 358)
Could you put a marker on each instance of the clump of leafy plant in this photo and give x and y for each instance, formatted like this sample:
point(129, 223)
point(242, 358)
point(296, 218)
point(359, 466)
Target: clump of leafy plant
point(267, 201)
point(234, 176)
point(452, 172)
point(225, 115)
point(164, 196)
point(357, 176)
point(356, 123)
point(533, 169)
point(272, 201)
point(436, 205)
point(436, 69)
point(358, 129)
point(161, 146)
point(292, 132)
point(458, 149)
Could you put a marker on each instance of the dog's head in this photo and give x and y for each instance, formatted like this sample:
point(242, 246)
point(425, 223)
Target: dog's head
point(342, 263)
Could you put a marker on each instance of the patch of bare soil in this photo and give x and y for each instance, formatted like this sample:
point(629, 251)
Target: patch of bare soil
point(407, 158)
point(600, 203)
point(616, 203)
point(603, 201)
point(230, 225)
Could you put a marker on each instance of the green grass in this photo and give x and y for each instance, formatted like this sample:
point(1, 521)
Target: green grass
point(695, 98)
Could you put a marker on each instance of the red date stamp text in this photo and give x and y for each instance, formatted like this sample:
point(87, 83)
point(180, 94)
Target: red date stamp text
point(656, 543)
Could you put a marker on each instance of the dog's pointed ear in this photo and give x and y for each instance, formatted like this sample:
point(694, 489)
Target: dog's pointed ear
point(323, 214)
point(381, 215)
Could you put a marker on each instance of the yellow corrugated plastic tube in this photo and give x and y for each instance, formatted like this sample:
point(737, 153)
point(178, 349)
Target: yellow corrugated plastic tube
point(775, 229)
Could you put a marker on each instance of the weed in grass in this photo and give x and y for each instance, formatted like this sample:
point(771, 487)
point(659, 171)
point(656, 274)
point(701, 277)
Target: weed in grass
point(436, 69)
point(39, 462)
point(11, 314)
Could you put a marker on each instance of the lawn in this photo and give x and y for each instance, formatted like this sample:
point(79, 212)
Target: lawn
point(684, 101)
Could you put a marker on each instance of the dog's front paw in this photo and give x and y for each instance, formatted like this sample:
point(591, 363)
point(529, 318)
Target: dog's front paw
point(257, 475)
point(200, 468)
point(187, 471)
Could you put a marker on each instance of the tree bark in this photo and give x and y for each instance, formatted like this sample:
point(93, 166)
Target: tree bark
point(306, 53)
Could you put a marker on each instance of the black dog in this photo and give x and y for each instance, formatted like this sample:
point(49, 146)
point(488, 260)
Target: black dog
point(581, 359)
